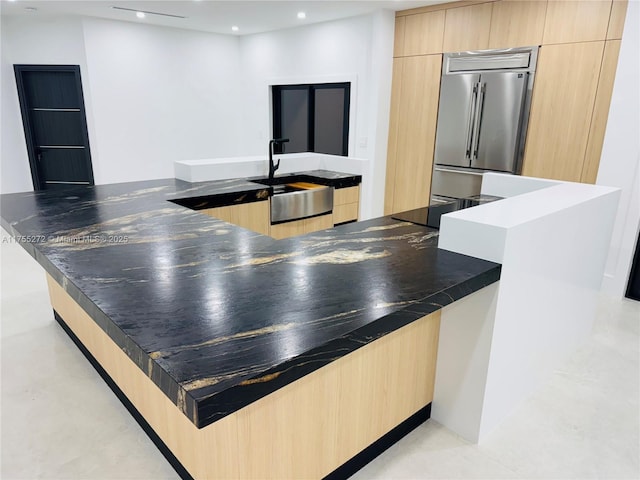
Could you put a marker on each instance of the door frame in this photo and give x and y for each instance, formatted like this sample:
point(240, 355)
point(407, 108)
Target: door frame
point(19, 70)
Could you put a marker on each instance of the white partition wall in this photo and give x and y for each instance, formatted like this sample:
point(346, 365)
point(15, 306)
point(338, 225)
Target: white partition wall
point(499, 344)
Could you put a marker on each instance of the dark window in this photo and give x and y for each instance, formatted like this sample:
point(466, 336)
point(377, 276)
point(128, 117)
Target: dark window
point(315, 118)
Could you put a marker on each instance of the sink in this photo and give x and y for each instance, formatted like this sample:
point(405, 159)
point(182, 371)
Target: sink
point(293, 200)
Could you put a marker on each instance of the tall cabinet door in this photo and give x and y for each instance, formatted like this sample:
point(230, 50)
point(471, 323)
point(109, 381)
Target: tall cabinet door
point(458, 98)
point(561, 108)
point(500, 105)
point(412, 131)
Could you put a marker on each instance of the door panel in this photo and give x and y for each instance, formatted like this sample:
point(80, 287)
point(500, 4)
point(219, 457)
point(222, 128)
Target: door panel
point(63, 166)
point(500, 104)
point(47, 89)
point(57, 128)
point(455, 116)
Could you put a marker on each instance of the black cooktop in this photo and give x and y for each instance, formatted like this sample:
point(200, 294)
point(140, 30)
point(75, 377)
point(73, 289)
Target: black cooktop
point(430, 216)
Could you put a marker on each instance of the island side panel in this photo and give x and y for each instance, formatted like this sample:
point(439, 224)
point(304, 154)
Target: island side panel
point(305, 429)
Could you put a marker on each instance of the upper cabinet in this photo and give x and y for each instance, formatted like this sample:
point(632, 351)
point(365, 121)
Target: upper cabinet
point(570, 21)
point(517, 23)
point(423, 33)
point(467, 28)
point(398, 41)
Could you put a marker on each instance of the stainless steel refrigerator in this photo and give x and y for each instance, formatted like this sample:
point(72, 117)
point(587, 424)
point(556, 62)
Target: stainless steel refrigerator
point(483, 113)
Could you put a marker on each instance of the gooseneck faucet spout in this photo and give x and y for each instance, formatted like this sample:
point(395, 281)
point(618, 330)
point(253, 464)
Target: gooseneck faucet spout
point(273, 167)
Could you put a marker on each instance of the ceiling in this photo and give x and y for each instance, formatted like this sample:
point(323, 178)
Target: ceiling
point(212, 16)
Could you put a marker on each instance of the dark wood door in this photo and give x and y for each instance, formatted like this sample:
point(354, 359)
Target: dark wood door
point(55, 125)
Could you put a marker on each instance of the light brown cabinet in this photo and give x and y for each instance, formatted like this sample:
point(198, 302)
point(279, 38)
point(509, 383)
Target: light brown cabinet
point(467, 28)
point(616, 20)
point(412, 131)
point(398, 37)
point(346, 203)
point(600, 111)
point(561, 109)
point(517, 23)
point(254, 215)
point(423, 33)
point(300, 227)
point(569, 21)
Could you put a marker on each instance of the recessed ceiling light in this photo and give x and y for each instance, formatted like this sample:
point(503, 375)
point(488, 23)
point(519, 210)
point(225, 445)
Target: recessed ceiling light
point(302, 15)
point(235, 28)
point(140, 14)
point(31, 9)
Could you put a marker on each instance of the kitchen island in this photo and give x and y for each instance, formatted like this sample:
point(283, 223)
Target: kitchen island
point(245, 356)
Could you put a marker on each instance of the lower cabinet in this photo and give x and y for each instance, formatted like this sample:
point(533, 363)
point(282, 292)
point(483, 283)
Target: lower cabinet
point(300, 227)
point(346, 204)
point(253, 216)
point(256, 216)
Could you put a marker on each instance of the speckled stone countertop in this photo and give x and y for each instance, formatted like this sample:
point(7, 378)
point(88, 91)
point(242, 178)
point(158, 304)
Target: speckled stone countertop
point(219, 316)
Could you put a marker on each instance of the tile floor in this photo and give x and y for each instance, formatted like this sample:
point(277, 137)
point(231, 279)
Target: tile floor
point(59, 419)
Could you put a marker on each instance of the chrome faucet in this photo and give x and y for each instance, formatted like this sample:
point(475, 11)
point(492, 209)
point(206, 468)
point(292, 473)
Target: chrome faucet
point(273, 167)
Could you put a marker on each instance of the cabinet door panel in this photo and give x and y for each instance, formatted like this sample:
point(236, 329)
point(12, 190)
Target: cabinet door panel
point(254, 216)
point(288, 229)
point(423, 33)
point(616, 20)
point(346, 195)
point(345, 213)
point(315, 224)
point(221, 213)
point(517, 23)
point(392, 145)
point(570, 21)
point(563, 98)
point(467, 28)
point(398, 41)
point(601, 111)
point(416, 131)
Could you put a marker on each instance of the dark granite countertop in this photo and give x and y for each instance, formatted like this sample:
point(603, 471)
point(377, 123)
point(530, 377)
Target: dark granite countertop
point(219, 316)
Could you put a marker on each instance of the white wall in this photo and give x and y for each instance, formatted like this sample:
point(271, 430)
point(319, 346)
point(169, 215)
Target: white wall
point(620, 161)
point(160, 94)
point(152, 94)
point(356, 50)
point(31, 40)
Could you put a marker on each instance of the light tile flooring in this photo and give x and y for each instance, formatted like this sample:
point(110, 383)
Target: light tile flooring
point(60, 420)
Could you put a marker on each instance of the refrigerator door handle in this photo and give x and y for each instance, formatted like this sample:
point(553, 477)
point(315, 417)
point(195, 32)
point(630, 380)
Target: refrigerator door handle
point(472, 112)
point(461, 171)
point(482, 87)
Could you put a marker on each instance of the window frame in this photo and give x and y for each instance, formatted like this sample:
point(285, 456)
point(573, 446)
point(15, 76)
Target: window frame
point(276, 118)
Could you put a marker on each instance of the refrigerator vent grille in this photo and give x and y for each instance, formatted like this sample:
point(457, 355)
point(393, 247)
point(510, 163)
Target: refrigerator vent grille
point(488, 62)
